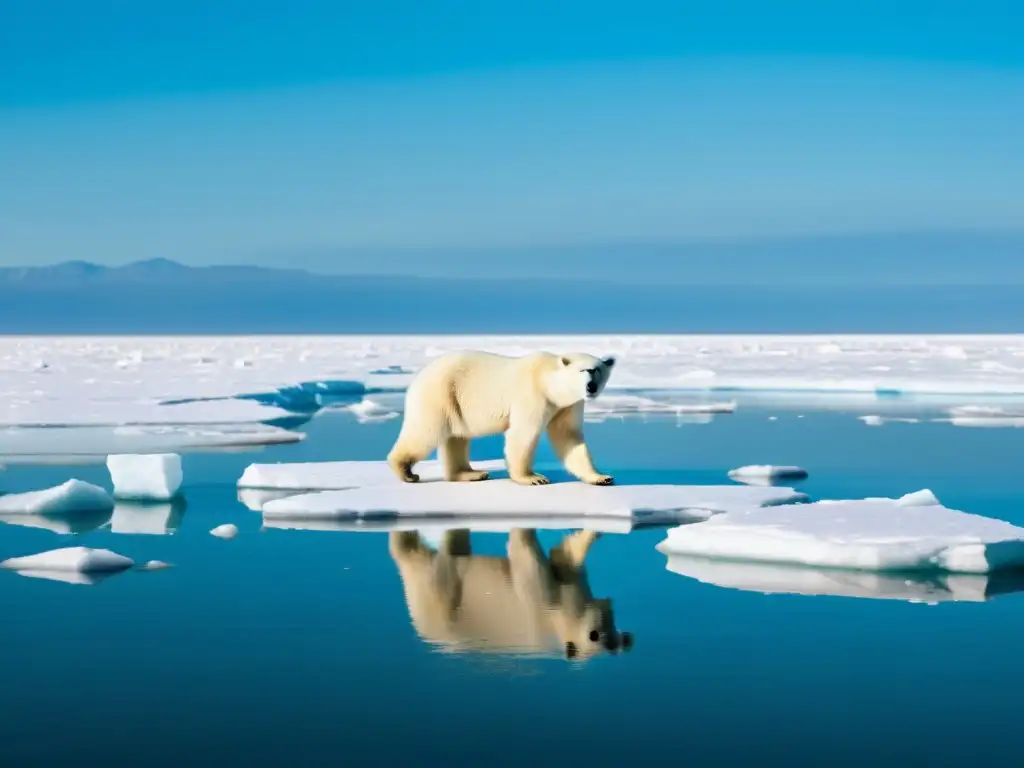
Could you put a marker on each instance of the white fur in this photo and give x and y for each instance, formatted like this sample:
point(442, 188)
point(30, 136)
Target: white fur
point(526, 602)
point(463, 395)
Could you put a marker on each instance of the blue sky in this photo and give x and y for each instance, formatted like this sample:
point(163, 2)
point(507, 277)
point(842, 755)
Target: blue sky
point(303, 133)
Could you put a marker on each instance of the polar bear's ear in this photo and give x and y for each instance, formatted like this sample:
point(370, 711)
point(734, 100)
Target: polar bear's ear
point(609, 361)
point(566, 361)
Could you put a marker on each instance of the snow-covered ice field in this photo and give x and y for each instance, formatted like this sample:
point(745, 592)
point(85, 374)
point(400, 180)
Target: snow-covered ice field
point(165, 393)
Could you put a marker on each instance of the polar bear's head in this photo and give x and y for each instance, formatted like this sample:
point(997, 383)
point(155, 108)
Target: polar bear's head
point(594, 632)
point(577, 377)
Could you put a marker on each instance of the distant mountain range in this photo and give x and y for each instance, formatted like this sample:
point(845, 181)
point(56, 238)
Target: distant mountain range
point(740, 295)
point(82, 275)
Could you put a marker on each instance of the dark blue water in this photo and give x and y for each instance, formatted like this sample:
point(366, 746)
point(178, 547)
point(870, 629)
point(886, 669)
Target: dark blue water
point(296, 647)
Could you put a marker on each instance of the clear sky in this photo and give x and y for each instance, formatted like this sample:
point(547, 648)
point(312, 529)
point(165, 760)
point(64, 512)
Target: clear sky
point(270, 132)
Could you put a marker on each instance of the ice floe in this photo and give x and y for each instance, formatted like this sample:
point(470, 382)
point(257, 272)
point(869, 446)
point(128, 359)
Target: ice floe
point(650, 504)
point(915, 587)
point(912, 533)
point(188, 380)
point(145, 477)
point(68, 498)
point(611, 405)
point(71, 559)
point(225, 531)
point(766, 474)
point(339, 475)
point(92, 444)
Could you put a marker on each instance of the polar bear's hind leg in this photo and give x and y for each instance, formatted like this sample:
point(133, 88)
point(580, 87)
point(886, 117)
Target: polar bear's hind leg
point(411, 447)
point(456, 462)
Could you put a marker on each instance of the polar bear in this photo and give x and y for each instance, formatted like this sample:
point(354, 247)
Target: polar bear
point(525, 603)
point(462, 395)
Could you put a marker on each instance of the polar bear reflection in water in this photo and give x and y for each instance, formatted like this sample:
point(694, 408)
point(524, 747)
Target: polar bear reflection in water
point(525, 603)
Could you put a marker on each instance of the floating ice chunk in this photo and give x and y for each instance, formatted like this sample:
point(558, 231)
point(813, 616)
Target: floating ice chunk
point(922, 498)
point(153, 519)
point(74, 496)
point(145, 476)
point(875, 420)
point(651, 504)
point(769, 578)
point(368, 411)
point(766, 474)
point(155, 565)
point(431, 528)
point(868, 534)
point(226, 531)
point(74, 559)
point(338, 475)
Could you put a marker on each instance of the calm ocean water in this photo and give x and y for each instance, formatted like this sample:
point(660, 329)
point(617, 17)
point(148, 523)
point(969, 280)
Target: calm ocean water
point(296, 647)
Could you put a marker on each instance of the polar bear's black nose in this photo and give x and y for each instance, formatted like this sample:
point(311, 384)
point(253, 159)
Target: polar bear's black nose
point(591, 387)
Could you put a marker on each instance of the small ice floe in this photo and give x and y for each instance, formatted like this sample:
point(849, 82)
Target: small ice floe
point(912, 533)
point(145, 476)
point(71, 559)
point(618, 405)
point(226, 531)
point(766, 474)
point(74, 496)
point(875, 420)
point(155, 565)
point(368, 411)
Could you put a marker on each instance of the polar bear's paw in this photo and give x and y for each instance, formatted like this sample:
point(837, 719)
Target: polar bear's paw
point(600, 480)
point(471, 476)
point(532, 480)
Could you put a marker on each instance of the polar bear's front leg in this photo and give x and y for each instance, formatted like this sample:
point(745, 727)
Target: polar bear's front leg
point(566, 435)
point(521, 444)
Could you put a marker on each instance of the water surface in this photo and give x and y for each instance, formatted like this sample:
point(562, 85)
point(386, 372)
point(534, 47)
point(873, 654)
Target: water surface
point(296, 647)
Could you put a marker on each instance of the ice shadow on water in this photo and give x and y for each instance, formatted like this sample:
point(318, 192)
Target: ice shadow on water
point(527, 603)
point(69, 577)
point(153, 518)
point(914, 587)
point(69, 523)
